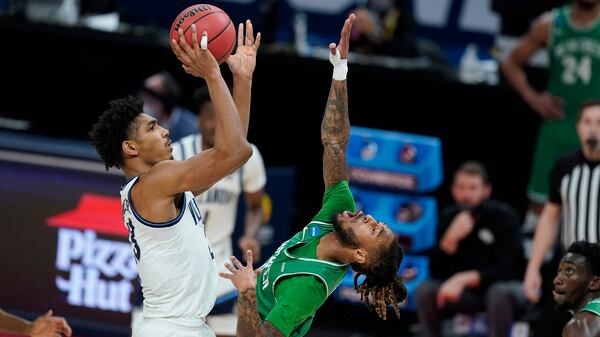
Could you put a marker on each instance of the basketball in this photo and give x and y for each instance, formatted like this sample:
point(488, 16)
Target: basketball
point(213, 20)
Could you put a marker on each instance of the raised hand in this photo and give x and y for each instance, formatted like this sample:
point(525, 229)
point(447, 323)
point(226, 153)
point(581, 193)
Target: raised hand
point(243, 62)
point(196, 60)
point(242, 277)
point(344, 45)
point(49, 326)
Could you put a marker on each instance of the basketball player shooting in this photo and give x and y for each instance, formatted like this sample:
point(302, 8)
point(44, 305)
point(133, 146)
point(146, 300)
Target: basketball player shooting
point(282, 297)
point(174, 259)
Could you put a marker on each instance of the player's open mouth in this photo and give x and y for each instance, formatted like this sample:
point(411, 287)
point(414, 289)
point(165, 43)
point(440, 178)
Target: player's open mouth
point(558, 294)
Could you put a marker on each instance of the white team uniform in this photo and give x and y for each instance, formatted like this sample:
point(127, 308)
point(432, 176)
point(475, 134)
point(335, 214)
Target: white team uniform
point(177, 270)
point(218, 205)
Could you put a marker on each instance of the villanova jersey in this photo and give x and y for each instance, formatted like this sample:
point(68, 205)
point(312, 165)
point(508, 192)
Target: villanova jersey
point(574, 52)
point(219, 203)
point(175, 261)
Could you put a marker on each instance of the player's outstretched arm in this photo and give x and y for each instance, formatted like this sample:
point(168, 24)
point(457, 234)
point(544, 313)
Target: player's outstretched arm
point(335, 127)
point(231, 149)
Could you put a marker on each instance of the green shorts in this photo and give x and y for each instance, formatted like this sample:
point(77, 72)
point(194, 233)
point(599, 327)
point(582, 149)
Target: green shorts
point(555, 138)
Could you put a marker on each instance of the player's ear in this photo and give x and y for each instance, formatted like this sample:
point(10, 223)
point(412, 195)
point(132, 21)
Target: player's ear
point(129, 147)
point(360, 256)
point(594, 284)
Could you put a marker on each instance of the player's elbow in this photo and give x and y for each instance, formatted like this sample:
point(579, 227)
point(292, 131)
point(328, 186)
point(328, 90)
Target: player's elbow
point(242, 153)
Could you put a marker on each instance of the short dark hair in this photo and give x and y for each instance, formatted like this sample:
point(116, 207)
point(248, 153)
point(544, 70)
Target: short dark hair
point(114, 126)
point(475, 168)
point(382, 285)
point(587, 104)
point(591, 252)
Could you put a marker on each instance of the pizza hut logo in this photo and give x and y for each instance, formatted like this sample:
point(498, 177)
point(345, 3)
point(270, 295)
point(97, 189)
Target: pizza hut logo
point(94, 272)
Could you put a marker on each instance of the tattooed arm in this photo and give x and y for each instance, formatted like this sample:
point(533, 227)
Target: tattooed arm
point(335, 127)
point(249, 324)
point(335, 131)
point(244, 279)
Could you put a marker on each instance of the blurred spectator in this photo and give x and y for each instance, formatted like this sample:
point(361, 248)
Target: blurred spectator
point(572, 35)
point(44, 326)
point(383, 27)
point(160, 93)
point(219, 206)
point(478, 258)
point(574, 194)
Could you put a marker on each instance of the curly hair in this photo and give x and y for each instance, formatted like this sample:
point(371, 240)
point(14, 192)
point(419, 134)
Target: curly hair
point(382, 286)
point(114, 126)
point(591, 252)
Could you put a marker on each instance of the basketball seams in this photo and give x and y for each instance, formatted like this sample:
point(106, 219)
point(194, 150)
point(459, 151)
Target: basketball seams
point(202, 17)
point(221, 32)
point(228, 51)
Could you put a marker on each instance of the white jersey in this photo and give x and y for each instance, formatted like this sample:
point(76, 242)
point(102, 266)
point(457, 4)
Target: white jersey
point(175, 262)
point(218, 205)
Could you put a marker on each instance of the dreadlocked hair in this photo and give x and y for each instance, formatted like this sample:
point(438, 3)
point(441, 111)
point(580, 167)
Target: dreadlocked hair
point(114, 126)
point(382, 286)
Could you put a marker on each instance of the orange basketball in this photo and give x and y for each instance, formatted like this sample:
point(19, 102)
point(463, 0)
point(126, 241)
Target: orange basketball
point(209, 18)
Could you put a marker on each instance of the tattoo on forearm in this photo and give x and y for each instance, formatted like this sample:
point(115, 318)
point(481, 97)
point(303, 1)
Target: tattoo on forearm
point(269, 330)
point(248, 321)
point(335, 131)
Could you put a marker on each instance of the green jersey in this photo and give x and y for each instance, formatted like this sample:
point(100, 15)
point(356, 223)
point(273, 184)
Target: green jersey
point(574, 52)
point(296, 260)
point(592, 306)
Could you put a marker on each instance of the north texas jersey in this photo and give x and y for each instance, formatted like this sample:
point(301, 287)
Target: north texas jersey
point(574, 52)
point(174, 260)
point(219, 203)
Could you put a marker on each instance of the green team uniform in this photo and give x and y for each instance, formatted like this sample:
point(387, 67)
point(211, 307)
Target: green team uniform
point(574, 76)
point(293, 283)
point(592, 306)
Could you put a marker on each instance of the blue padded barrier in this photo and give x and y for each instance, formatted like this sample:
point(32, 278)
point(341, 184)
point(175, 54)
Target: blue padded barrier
point(394, 161)
point(412, 218)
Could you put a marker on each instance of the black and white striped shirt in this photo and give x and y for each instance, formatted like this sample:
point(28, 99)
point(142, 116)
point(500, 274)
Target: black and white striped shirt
point(575, 185)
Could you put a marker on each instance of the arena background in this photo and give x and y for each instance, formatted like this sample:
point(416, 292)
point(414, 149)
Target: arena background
point(56, 80)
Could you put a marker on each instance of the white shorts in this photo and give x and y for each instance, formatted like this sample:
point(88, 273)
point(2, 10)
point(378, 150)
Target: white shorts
point(155, 327)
